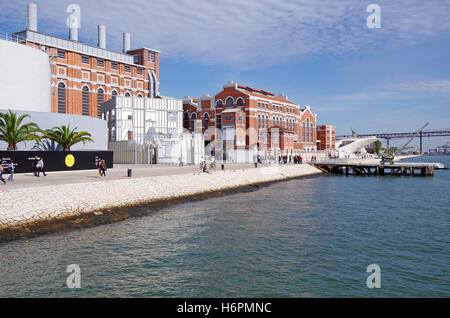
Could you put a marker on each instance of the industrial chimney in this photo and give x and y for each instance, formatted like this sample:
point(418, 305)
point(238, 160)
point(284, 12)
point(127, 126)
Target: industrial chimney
point(32, 17)
point(73, 34)
point(102, 36)
point(126, 42)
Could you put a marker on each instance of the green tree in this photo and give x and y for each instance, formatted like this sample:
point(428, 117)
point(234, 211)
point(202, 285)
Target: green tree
point(13, 131)
point(377, 146)
point(66, 137)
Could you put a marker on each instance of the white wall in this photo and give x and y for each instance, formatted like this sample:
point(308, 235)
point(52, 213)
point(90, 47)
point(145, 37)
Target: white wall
point(24, 78)
point(96, 127)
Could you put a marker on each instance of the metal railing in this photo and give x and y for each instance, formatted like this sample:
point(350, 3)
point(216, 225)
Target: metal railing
point(12, 37)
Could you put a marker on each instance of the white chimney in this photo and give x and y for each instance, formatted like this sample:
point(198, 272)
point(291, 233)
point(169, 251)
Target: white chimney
point(102, 36)
point(126, 42)
point(32, 17)
point(73, 34)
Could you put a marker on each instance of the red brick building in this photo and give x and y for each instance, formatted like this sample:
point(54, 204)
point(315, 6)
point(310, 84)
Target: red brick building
point(326, 137)
point(84, 76)
point(270, 122)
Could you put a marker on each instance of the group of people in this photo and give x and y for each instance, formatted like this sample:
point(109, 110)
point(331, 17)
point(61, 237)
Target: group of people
point(10, 167)
point(296, 159)
point(38, 166)
point(101, 167)
point(204, 164)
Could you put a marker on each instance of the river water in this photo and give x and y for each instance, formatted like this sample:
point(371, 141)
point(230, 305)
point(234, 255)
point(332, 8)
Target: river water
point(310, 237)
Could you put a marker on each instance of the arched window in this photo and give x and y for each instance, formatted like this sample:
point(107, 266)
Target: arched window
point(85, 100)
point(61, 98)
point(311, 133)
point(127, 94)
point(229, 102)
point(303, 133)
point(240, 102)
point(259, 121)
point(307, 129)
point(114, 93)
point(205, 121)
point(219, 103)
point(152, 84)
point(139, 95)
point(193, 118)
point(186, 120)
point(267, 121)
point(100, 100)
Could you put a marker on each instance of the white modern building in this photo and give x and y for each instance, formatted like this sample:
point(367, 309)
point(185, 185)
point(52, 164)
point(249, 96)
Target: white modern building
point(353, 147)
point(152, 129)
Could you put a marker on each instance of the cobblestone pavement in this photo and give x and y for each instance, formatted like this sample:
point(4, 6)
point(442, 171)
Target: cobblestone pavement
point(28, 180)
point(75, 193)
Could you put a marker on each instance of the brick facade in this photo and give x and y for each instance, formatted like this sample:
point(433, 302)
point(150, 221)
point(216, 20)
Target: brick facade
point(101, 78)
point(326, 135)
point(270, 121)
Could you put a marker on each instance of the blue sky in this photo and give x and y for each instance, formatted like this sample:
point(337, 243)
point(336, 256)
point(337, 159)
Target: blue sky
point(319, 53)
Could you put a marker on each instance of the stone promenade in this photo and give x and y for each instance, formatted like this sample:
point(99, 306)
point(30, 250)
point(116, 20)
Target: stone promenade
point(30, 202)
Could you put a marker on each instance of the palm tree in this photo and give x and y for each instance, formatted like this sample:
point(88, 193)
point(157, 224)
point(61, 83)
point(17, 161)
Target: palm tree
point(47, 145)
point(66, 137)
point(12, 131)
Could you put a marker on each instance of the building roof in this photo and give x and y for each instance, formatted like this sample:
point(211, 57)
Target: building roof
point(75, 46)
point(264, 94)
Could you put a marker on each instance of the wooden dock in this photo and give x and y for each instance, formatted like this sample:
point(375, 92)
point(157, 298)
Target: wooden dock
point(360, 168)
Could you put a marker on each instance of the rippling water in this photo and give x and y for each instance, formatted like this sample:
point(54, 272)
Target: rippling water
point(310, 237)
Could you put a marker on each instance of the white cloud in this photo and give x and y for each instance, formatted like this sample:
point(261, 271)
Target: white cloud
point(441, 85)
point(250, 33)
point(367, 97)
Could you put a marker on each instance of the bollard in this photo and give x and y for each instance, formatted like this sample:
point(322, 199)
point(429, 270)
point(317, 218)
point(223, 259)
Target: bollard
point(129, 173)
point(223, 167)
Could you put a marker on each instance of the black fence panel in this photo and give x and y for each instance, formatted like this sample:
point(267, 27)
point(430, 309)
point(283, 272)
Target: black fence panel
point(56, 160)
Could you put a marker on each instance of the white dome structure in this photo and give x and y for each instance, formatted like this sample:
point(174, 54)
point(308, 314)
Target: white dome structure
point(24, 78)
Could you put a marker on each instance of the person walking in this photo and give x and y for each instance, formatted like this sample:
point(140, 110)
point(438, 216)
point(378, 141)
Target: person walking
point(180, 159)
point(40, 166)
point(1, 175)
point(103, 168)
point(34, 166)
point(99, 167)
point(11, 170)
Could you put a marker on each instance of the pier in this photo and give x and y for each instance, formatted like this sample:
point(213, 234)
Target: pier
point(360, 168)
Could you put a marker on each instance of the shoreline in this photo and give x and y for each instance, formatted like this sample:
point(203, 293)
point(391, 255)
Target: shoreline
point(117, 200)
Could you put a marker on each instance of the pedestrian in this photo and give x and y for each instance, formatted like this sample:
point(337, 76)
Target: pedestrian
point(103, 168)
point(11, 170)
point(180, 159)
point(1, 175)
point(34, 166)
point(40, 166)
point(99, 167)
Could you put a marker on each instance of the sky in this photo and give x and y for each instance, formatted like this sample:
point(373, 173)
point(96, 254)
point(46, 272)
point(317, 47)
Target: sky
point(319, 53)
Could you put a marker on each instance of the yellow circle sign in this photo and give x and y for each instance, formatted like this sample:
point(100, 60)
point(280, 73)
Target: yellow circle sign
point(70, 160)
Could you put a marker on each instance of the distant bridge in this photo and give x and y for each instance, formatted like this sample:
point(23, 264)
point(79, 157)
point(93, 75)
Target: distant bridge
point(389, 136)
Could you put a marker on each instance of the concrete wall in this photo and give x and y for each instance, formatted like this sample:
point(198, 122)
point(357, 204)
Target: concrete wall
point(24, 78)
point(96, 127)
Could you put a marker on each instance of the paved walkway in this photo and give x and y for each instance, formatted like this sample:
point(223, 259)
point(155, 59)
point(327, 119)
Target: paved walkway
point(28, 180)
point(75, 205)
